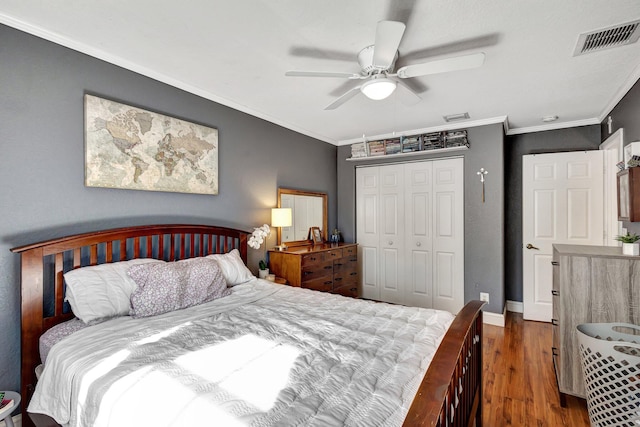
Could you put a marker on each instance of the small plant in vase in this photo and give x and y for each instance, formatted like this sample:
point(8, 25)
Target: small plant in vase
point(264, 270)
point(630, 245)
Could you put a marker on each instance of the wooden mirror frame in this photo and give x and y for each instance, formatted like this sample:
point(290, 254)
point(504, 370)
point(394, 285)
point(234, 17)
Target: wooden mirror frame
point(325, 233)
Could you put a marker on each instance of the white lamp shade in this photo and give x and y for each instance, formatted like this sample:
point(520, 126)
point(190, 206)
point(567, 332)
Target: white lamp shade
point(281, 217)
point(378, 88)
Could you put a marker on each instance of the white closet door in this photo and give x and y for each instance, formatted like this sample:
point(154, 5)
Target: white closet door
point(410, 232)
point(419, 237)
point(392, 233)
point(368, 236)
point(448, 234)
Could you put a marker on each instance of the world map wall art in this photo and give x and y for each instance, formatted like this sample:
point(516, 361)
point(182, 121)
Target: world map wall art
point(131, 148)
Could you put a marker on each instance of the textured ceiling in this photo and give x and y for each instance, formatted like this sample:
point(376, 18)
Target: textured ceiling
point(236, 53)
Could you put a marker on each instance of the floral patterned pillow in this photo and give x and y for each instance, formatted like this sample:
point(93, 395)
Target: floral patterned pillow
point(173, 286)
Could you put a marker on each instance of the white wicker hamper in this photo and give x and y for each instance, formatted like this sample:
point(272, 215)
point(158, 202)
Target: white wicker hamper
point(610, 354)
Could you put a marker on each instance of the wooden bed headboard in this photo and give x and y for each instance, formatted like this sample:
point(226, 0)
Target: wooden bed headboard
point(43, 265)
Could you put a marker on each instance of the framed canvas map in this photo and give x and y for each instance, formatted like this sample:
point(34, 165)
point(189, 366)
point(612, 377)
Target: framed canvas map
point(131, 148)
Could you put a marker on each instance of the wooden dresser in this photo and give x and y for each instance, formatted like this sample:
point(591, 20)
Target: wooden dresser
point(591, 284)
point(327, 267)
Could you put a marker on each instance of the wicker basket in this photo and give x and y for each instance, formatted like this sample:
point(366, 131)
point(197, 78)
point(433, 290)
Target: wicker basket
point(610, 354)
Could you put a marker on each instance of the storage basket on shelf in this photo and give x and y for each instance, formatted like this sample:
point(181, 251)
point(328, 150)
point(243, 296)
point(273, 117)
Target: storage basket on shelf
point(610, 354)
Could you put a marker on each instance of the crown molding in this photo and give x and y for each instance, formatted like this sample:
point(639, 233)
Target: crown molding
point(624, 89)
point(554, 126)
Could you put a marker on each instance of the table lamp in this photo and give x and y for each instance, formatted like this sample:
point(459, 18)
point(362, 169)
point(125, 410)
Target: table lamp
point(281, 217)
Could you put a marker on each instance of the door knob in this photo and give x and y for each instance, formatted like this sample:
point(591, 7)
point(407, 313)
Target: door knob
point(530, 246)
point(418, 244)
point(390, 242)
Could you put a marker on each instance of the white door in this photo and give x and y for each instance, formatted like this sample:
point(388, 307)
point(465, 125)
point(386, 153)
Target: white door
point(392, 233)
point(410, 233)
point(613, 153)
point(562, 197)
point(448, 234)
point(419, 236)
point(368, 237)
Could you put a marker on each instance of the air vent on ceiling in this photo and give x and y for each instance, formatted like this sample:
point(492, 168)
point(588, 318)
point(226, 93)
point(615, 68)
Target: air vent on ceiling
point(454, 117)
point(607, 38)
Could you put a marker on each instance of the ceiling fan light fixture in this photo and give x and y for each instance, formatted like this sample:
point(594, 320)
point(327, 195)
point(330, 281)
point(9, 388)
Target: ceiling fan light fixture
point(378, 88)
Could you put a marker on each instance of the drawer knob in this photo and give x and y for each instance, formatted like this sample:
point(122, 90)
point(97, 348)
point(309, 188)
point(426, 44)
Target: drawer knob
point(328, 267)
point(328, 282)
point(306, 273)
point(337, 279)
point(554, 322)
point(555, 263)
point(555, 293)
point(355, 273)
point(338, 264)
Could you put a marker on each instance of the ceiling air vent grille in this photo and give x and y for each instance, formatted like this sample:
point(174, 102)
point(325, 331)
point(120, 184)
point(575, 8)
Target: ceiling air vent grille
point(607, 38)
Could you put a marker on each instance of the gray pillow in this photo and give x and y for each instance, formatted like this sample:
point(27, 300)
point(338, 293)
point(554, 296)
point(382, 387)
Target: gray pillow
point(173, 286)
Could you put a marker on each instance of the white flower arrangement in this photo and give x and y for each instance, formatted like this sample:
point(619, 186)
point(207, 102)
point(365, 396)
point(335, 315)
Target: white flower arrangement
point(258, 236)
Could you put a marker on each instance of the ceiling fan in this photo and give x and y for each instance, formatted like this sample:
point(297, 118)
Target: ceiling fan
point(377, 62)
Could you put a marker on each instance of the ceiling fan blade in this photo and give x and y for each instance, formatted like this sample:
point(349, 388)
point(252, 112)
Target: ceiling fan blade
point(322, 74)
point(406, 95)
point(344, 98)
point(442, 66)
point(388, 37)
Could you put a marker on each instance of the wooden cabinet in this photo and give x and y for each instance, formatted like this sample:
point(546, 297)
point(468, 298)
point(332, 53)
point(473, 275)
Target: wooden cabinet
point(591, 284)
point(328, 268)
point(629, 195)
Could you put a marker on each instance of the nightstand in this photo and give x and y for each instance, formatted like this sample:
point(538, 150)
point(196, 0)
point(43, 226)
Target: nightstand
point(6, 416)
point(281, 281)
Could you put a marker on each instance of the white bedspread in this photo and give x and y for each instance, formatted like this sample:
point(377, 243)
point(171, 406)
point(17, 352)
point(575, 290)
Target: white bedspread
point(265, 355)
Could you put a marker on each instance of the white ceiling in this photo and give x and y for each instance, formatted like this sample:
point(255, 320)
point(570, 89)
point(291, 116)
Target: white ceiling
point(236, 52)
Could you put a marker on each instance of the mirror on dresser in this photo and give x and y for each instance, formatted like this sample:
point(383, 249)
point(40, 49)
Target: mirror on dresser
point(308, 209)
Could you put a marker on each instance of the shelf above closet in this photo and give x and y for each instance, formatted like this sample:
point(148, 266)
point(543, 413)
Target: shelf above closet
point(410, 154)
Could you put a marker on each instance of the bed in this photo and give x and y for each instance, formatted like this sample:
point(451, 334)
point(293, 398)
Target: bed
point(449, 393)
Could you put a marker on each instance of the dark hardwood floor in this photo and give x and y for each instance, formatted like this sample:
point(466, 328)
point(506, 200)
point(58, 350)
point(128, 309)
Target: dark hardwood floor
point(519, 382)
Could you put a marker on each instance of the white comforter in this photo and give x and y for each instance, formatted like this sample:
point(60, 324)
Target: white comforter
point(265, 355)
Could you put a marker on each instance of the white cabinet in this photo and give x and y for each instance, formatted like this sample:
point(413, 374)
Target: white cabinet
point(410, 231)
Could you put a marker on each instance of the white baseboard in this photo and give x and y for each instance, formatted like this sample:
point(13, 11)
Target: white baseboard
point(515, 306)
point(495, 319)
point(17, 421)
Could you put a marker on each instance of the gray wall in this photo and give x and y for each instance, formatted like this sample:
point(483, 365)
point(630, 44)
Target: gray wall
point(573, 139)
point(42, 163)
point(484, 222)
point(626, 115)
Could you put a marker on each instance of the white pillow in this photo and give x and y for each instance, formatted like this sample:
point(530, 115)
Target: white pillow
point(102, 291)
point(233, 268)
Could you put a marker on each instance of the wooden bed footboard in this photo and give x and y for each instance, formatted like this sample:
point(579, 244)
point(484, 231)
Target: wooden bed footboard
point(451, 391)
point(449, 395)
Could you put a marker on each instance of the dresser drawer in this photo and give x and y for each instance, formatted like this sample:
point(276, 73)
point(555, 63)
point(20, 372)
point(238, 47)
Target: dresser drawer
point(316, 271)
point(324, 284)
point(350, 251)
point(345, 272)
point(347, 291)
point(313, 258)
point(333, 254)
